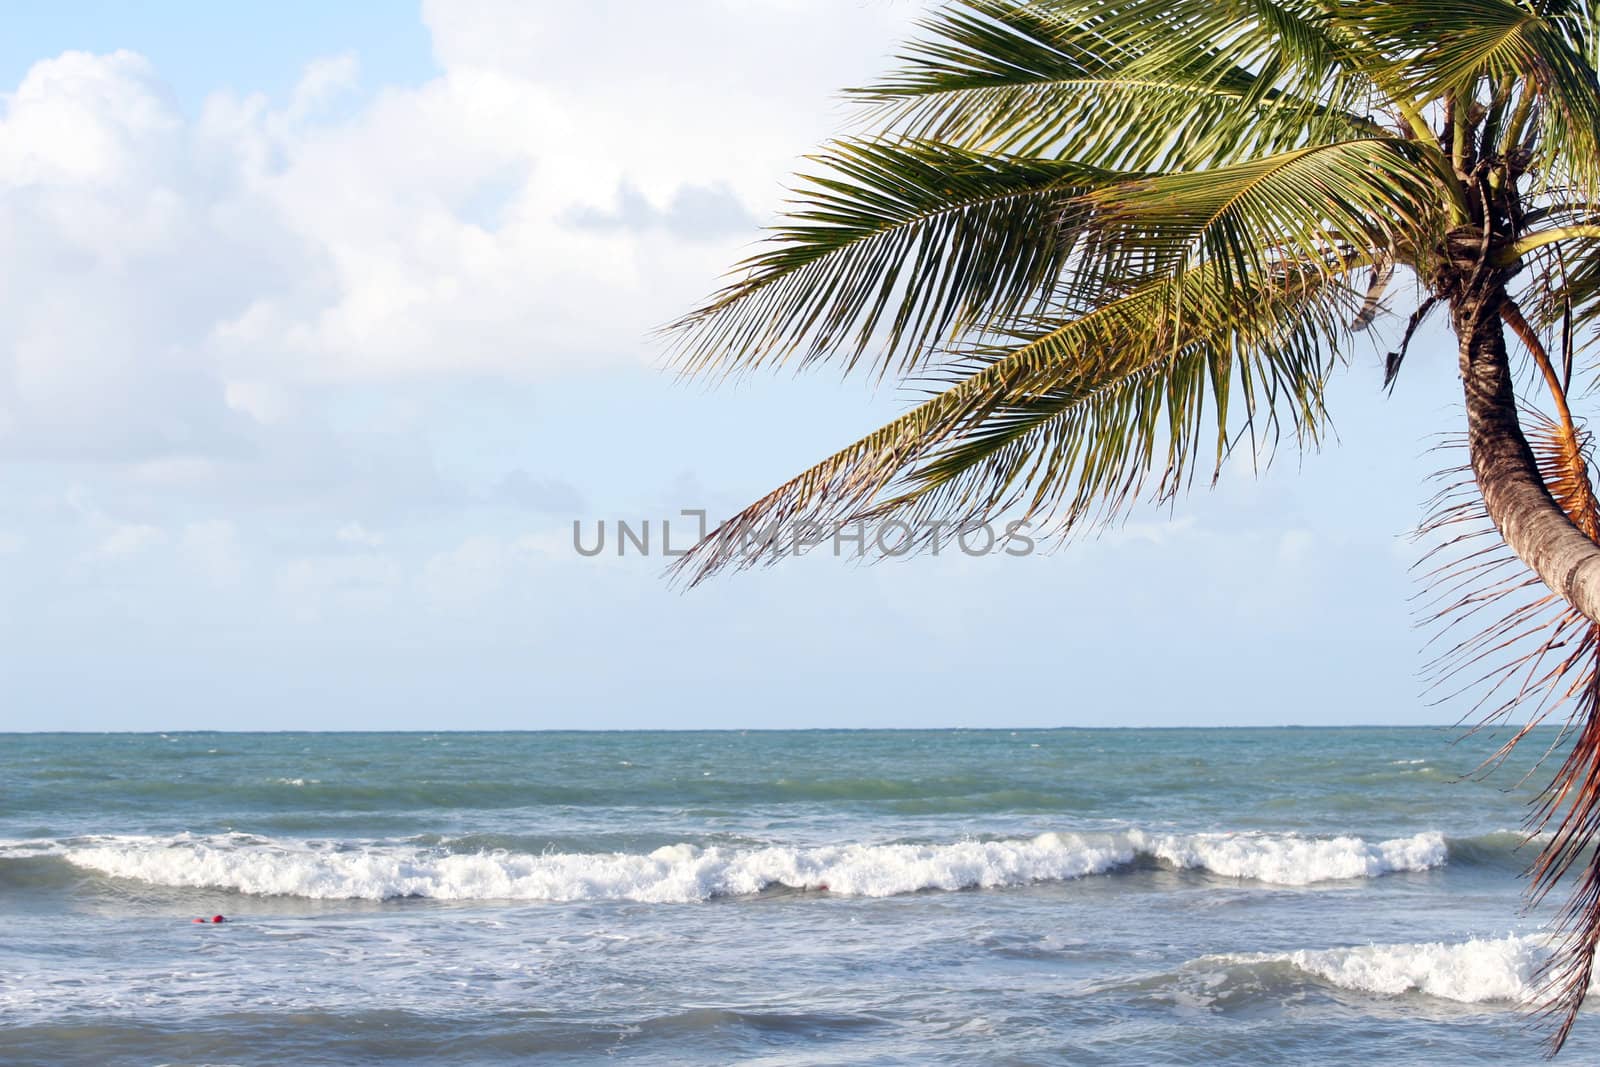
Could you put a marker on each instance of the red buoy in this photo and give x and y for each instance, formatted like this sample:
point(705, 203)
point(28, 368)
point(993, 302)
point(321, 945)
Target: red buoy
point(218, 919)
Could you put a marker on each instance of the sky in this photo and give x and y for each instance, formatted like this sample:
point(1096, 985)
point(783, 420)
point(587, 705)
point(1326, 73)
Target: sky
point(321, 325)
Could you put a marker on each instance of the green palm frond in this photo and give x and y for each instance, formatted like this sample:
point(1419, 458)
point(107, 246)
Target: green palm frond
point(1018, 78)
point(1309, 205)
point(897, 244)
point(1465, 48)
point(1580, 295)
point(1563, 295)
point(1082, 409)
point(1084, 448)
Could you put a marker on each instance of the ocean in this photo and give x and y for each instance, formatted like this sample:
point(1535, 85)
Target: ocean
point(1237, 896)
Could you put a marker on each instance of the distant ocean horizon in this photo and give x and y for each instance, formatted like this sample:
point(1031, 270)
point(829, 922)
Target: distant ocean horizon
point(1129, 895)
point(1458, 731)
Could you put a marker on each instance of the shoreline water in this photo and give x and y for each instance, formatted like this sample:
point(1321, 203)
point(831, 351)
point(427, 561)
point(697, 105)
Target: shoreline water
point(1113, 896)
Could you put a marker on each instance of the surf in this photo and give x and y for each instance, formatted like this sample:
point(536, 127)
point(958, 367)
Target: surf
point(688, 873)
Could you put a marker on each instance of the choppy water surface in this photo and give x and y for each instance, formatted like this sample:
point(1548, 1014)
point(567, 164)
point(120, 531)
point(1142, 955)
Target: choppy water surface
point(1118, 897)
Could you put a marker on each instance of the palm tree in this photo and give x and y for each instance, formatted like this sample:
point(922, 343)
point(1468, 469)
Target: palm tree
point(1116, 240)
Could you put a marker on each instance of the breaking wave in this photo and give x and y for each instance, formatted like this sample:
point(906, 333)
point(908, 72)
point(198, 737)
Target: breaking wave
point(1482, 970)
point(686, 873)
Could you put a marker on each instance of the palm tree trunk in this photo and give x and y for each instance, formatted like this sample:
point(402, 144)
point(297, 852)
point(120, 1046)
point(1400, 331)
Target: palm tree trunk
point(1514, 494)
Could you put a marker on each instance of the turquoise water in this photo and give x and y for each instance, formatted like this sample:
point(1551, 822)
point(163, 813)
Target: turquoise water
point(1084, 896)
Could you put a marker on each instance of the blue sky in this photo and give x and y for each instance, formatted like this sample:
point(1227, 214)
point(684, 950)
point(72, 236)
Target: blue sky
point(322, 323)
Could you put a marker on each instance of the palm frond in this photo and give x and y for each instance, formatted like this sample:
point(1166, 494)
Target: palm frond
point(1459, 47)
point(1031, 79)
point(895, 244)
point(1563, 294)
point(1076, 414)
point(1309, 205)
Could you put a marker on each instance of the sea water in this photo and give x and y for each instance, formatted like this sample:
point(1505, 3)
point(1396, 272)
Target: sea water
point(1234, 896)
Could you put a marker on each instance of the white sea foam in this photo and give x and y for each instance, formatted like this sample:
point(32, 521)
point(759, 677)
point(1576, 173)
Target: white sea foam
point(1290, 860)
point(1472, 972)
point(672, 874)
point(682, 873)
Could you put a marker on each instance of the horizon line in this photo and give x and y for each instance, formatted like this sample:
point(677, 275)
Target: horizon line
point(1464, 729)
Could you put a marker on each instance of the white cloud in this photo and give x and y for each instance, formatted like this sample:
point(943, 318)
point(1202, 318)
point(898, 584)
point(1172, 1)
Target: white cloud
point(171, 283)
point(263, 401)
point(353, 533)
point(72, 124)
point(129, 539)
point(323, 80)
point(115, 267)
point(212, 549)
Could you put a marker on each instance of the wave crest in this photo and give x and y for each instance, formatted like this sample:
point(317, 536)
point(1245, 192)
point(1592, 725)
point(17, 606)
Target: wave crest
point(1477, 971)
point(686, 873)
point(1292, 860)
